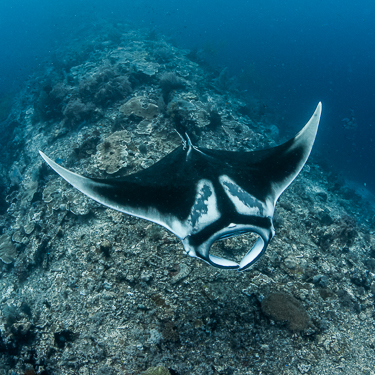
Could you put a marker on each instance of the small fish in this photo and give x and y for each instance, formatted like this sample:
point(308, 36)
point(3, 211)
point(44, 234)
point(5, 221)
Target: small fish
point(59, 161)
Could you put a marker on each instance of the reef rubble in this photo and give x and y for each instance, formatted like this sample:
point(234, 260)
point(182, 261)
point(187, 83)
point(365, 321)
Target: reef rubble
point(88, 290)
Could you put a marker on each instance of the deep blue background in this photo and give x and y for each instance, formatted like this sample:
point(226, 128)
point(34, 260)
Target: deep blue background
point(294, 53)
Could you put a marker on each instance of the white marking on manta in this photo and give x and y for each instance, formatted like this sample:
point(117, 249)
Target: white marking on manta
point(244, 202)
point(203, 212)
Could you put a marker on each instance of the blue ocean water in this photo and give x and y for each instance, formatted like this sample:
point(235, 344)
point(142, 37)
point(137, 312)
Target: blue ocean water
point(289, 53)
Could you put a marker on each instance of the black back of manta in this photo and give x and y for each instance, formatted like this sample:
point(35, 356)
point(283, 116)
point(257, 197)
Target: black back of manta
point(203, 195)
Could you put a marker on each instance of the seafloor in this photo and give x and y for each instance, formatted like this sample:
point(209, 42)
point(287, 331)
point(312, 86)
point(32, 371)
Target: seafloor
point(87, 290)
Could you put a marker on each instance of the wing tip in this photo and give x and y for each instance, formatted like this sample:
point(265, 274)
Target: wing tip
point(46, 158)
point(318, 110)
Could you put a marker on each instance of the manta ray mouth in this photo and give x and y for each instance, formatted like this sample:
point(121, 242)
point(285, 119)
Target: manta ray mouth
point(240, 249)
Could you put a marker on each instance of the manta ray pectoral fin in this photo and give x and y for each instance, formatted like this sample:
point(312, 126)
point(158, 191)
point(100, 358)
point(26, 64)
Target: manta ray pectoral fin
point(105, 192)
point(290, 157)
point(85, 185)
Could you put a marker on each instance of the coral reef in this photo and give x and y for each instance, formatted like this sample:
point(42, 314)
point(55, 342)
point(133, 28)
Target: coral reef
point(139, 107)
point(76, 100)
point(168, 82)
point(89, 290)
point(76, 112)
point(111, 153)
point(160, 370)
point(105, 86)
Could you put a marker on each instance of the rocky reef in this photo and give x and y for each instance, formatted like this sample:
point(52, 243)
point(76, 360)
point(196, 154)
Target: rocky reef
point(88, 290)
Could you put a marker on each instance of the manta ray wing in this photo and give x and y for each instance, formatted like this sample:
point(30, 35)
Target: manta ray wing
point(204, 195)
point(161, 193)
point(267, 173)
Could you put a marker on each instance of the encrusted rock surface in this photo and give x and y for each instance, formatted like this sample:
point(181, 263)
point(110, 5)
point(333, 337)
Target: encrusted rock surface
point(89, 290)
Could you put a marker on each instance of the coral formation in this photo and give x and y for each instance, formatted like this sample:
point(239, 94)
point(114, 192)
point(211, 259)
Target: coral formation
point(343, 233)
point(112, 152)
point(76, 111)
point(159, 370)
point(285, 308)
point(168, 82)
point(139, 106)
point(7, 249)
point(58, 197)
point(76, 100)
point(105, 86)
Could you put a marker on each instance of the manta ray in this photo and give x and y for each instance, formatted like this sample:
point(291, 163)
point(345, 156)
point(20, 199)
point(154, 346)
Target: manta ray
point(203, 195)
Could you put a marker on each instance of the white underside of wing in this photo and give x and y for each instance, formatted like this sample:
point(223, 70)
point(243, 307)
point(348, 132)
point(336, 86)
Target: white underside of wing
point(203, 212)
point(87, 186)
